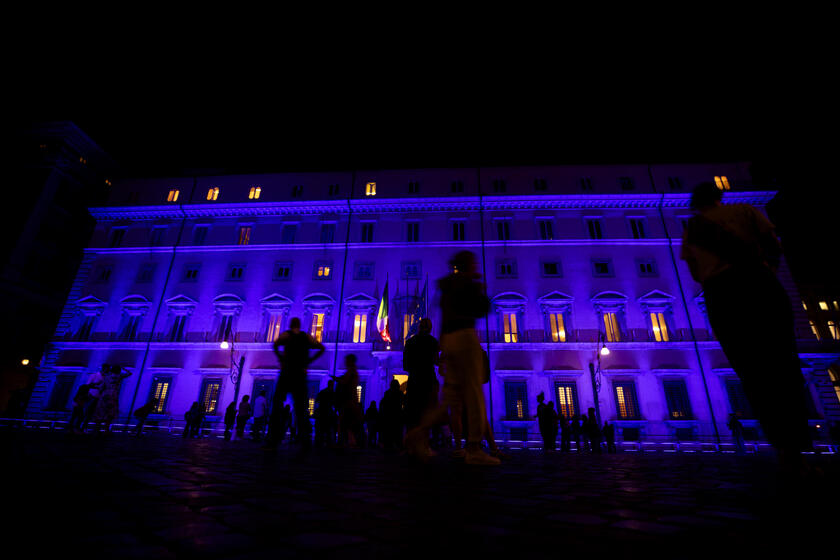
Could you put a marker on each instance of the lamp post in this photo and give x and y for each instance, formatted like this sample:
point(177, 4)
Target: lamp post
point(595, 373)
point(235, 368)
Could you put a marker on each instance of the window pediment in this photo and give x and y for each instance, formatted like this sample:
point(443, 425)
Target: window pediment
point(609, 301)
point(360, 302)
point(91, 305)
point(135, 304)
point(228, 304)
point(556, 301)
point(509, 301)
point(276, 302)
point(181, 305)
point(318, 301)
point(656, 301)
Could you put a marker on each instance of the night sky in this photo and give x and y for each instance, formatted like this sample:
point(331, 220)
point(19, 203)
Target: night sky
point(159, 129)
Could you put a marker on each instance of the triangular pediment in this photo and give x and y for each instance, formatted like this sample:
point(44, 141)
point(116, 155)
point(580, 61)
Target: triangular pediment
point(90, 301)
point(228, 299)
point(510, 296)
point(276, 300)
point(135, 299)
point(656, 295)
point(318, 298)
point(555, 297)
point(181, 301)
point(360, 298)
point(609, 296)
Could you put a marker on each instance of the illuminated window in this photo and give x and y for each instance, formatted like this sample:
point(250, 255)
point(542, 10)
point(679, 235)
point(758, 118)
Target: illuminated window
point(511, 331)
point(317, 327)
point(805, 307)
point(367, 232)
point(546, 229)
point(814, 329)
point(370, 189)
point(458, 230)
point(722, 182)
point(244, 235)
point(209, 399)
point(160, 392)
point(282, 271)
point(360, 327)
point(254, 193)
point(836, 305)
point(595, 228)
point(834, 330)
point(824, 306)
point(323, 270)
point(557, 325)
point(567, 404)
point(611, 328)
point(676, 397)
point(625, 400)
point(659, 326)
point(213, 193)
point(835, 380)
point(516, 400)
point(273, 326)
point(173, 195)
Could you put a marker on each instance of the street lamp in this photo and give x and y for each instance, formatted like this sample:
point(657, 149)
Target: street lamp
point(595, 373)
point(235, 368)
point(24, 362)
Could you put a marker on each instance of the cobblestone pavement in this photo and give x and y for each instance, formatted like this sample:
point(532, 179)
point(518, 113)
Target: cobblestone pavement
point(164, 497)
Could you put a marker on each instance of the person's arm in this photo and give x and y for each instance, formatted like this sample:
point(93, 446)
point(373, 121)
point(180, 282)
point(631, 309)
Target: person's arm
point(278, 342)
point(316, 345)
point(771, 248)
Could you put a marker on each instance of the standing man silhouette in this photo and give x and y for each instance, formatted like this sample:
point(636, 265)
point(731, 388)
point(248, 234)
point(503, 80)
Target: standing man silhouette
point(733, 252)
point(294, 359)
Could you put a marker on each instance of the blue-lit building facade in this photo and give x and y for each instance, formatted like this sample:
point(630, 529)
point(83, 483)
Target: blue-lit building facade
point(575, 258)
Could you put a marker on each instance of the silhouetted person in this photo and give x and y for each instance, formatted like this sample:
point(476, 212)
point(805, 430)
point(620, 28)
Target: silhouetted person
point(372, 423)
point(462, 301)
point(733, 252)
point(260, 416)
point(294, 359)
point(609, 436)
point(585, 431)
point(390, 416)
point(95, 383)
point(419, 359)
point(230, 420)
point(109, 400)
point(548, 427)
point(543, 421)
point(194, 417)
point(80, 402)
point(347, 403)
point(737, 430)
point(565, 433)
point(594, 432)
point(243, 414)
point(142, 414)
point(325, 417)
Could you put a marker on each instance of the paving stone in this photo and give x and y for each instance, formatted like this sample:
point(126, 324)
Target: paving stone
point(577, 518)
point(646, 527)
point(327, 540)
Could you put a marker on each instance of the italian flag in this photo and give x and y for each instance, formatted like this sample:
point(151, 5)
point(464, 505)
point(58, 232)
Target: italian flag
point(382, 316)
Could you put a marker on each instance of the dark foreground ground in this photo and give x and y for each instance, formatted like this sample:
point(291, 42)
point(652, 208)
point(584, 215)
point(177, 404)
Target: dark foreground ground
point(163, 497)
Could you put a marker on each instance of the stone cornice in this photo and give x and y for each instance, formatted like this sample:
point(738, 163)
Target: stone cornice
point(402, 205)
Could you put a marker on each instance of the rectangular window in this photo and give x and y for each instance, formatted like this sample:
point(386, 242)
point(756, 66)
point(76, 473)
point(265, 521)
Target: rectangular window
point(586, 183)
point(595, 228)
point(213, 193)
point(499, 186)
point(625, 400)
point(551, 269)
point(191, 272)
point(333, 190)
point(86, 327)
point(316, 329)
point(287, 234)
point(236, 272)
point(179, 324)
point(367, 232)
point(173, 195)
point(297, 191)
point(103, 273)
point(626, 183)
point(737, 398)
point(675, 183)
point(646, 268)
point(61, 392)
point(146, 273)
point(659, 326)
point(457, 186)
point(511, 331)
point(254, 193)
point(209, 399)
point(156, 237)
point(413, 232)
point(413, 187)
point(117, 235)
point(130, 328)
point(823, 306)
point(506, 268)
point(611, 329)
point(458, 231)
point(676, 397)
point(363, 271)
point(602, 268)
point(411, 270)
point(225, 328)
point(244, 235)
point(833, 330)
point(516, 400)
point(323, 270)
point(200, 234)
point(637, 228)
point(540, 184)
point(815, 330)
point(567, 403)
point(503, 230)
point(282, 271)
point(722, 182)
point(160, 392)
point(370, 189)
point(557, 325)
point(327, 232)
point(360, 327)
point(546, 229)
point(273, 326)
